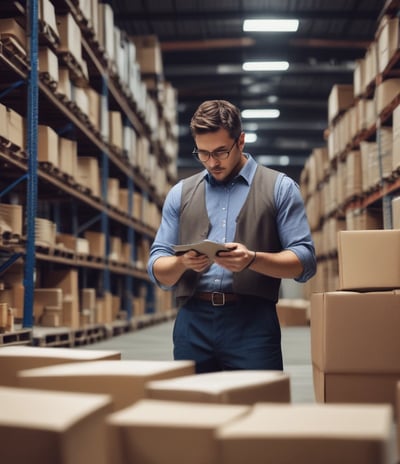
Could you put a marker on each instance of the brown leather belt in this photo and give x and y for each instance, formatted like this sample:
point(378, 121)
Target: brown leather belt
point(217, 298)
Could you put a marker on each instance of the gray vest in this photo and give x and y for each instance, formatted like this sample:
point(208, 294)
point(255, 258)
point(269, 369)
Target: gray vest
point(255, 227)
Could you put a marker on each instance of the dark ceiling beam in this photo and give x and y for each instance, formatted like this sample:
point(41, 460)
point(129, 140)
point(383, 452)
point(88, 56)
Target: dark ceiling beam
point(239, 14)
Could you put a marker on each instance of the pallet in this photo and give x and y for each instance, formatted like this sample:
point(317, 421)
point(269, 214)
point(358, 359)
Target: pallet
point(17, 337)
point(53, 337)
point(90, 334)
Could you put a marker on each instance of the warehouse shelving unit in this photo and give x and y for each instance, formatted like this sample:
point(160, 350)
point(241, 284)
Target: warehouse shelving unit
point(375, 198)
point(51, 193)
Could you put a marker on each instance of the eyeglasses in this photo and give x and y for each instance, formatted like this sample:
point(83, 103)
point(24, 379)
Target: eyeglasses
point(203, 155)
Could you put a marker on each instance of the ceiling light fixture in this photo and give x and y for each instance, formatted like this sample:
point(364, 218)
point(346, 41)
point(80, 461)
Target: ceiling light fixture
point(270, 25)
point(250, 137)
point(256, 114)
point(265, 66)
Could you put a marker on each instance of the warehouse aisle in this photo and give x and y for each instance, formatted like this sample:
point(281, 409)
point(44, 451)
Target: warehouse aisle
point(155, 343)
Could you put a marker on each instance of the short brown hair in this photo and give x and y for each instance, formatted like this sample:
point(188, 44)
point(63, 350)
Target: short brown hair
point(213, 115)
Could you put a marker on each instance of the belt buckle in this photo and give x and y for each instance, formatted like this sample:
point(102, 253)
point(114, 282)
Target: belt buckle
point(215, 295)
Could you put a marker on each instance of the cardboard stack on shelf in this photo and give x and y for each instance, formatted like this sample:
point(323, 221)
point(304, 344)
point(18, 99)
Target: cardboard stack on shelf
point(363, 155)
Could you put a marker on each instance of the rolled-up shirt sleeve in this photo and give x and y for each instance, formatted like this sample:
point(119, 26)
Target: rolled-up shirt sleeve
point(293, 226)
point(168, 232)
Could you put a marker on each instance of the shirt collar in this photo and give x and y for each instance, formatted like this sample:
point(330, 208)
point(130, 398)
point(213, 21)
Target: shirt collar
point(246, 173)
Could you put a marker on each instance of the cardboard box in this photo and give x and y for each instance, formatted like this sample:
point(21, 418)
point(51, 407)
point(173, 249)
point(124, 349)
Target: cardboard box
point(11, 218)
point(16, 128)
point(68, 156)
point(396, 213)
point(70, 36)
point(309, 434)
point(369, 259)
point(17, 358)
point(125, 381)
point(48, 63)
point(168, 432)
point(47, 145)
point(148, 52)
point(47, 15)
point(88, 174)
point(387, 40)
point(44, 427)
point(355, 346)
point(46, 297)
point(230, 387)
point(67, 280)
point(385, 93)
point(97, 243)
point(10, 28)
point(340, 99)
point(293, 312)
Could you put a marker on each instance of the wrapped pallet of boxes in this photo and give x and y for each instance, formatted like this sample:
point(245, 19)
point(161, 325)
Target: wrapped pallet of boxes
point(355, 346)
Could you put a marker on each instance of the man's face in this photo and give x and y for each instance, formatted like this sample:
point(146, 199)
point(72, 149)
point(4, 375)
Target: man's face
point(225, 157)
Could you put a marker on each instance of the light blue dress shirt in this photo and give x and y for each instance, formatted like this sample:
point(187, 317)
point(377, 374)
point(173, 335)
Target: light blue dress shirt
point(223, 202)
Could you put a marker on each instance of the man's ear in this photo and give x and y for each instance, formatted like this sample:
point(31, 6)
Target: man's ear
point(241, 140)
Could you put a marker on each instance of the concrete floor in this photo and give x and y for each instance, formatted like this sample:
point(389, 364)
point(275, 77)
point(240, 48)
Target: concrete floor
point(155, 343)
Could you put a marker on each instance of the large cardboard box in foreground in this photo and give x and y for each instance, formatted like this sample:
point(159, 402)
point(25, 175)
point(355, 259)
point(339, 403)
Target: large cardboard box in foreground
point(369, 259)
point(52, 427)
point(168, 432)
point(17, 358)
point(309, 434)
point(355, 346)
point(229, 387)
point(125, 381)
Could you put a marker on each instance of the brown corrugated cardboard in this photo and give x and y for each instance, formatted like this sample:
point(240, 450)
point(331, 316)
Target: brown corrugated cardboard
point(17, 358)
point(355, 346)
point(293, 312)
point(340, 98)
point(168, 432)
point(369, 259)
point(124, 380)
point(309, 434)
point(231, 387)
point(52, 427)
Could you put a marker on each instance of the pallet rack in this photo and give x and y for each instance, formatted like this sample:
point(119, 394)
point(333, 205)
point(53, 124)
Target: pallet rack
point(60, 193)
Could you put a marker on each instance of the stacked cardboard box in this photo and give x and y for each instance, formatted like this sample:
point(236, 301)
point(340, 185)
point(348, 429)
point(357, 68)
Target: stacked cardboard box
point(354, 338)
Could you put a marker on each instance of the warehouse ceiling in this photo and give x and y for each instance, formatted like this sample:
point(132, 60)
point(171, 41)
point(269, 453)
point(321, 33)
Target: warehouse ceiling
point(204, 47)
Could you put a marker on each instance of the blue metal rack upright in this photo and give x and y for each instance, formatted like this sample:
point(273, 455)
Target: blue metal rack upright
point(32, 147)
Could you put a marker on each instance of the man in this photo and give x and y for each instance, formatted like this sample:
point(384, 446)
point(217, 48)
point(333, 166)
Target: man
point(227, 318)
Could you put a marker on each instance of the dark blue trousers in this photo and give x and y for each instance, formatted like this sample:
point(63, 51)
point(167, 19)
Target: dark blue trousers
point(240, 335)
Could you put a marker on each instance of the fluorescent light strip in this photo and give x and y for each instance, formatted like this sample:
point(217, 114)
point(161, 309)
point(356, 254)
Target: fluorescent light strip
point(255, 114)
point(265, 66)
point(250, 137)
point(270, 25)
